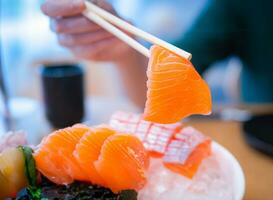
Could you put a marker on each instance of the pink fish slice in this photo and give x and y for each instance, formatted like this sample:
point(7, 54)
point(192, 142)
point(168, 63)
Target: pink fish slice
point(155, 137)
point(186, 151)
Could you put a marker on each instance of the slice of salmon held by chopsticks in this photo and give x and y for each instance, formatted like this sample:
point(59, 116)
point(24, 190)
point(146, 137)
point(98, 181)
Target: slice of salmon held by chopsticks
point(175, 89)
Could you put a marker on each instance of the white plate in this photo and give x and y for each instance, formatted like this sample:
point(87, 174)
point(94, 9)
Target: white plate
point(239, 178)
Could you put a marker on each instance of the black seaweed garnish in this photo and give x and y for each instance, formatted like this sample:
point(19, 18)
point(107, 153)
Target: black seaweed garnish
point(128, 195)
point(77, 191)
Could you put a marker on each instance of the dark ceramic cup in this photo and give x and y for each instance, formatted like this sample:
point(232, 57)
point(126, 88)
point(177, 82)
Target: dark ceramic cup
point(63, 93)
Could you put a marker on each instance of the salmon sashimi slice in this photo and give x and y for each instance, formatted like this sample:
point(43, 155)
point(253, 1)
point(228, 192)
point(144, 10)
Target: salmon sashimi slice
point(54, 156)
point(88, 150)
point(175, 89)
point(186, 152)
point(155, 137)
point(122, 162)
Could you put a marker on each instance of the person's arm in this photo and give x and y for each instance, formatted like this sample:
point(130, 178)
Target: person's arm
point(212, 36)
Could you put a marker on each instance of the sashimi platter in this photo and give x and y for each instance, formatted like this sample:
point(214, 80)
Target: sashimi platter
point(151, 155)
point(146, 156)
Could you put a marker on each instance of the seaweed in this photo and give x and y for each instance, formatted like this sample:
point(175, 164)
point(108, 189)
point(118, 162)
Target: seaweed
point(76, 191)
point(128, 195)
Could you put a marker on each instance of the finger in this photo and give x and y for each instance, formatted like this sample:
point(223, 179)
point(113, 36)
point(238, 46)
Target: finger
point(116, 50)
point(76, 24)
point(103, 54)
point(61, 8)
point(69, 40)
point(91, 51)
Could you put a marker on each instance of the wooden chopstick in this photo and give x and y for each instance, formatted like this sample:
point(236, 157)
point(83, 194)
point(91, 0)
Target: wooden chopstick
point(92, 8)
point(117, 32)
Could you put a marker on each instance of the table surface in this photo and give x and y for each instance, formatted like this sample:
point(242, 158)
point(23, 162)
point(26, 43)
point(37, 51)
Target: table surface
point(257, 167)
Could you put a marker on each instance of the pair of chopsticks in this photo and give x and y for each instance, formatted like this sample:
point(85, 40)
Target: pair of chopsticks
point(110, 23)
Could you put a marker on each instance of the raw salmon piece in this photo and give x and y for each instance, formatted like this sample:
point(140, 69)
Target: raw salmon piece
point(122, 162)
point(186, 152)
point(155, 137)
point(175, 89)
point(54, 157)
point(88, 150)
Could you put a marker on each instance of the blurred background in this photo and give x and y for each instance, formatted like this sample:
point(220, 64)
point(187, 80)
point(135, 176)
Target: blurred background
point(27, 41)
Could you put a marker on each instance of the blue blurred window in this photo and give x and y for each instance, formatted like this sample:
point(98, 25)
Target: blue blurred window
point(25, 38)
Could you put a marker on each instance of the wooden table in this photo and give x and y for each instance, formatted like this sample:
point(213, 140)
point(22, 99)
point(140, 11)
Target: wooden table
point(258, 168)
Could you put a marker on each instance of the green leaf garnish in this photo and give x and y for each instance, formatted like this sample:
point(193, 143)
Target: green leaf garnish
point(30, 166)
point(31, 173)
point(34, 192)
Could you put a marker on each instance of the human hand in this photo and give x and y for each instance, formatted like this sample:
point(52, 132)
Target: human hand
point(82, 37)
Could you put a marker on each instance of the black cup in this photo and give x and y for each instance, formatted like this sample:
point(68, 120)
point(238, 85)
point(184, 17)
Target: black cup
point(63, 92)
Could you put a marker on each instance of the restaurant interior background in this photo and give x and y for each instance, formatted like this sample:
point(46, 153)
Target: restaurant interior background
point(27, 43)
point(27, 40)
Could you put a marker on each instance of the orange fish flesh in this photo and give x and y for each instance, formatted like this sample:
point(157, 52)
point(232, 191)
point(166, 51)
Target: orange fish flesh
point(54, 157)
point(88, 150)
point(175, 89)
point(122, 162)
